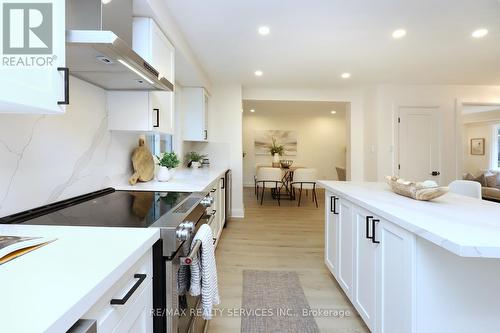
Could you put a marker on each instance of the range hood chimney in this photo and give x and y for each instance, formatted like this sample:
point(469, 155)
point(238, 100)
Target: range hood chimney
point(98, 48)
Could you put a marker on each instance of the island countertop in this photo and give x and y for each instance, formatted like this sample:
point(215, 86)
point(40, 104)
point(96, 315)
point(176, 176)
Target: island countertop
point(49, 289)
point(465, 226)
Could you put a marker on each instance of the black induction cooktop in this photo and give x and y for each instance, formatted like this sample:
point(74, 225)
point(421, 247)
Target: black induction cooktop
point(106, 208)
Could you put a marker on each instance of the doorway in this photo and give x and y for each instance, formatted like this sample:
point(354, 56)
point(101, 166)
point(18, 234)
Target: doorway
point(315, 132)
point(419, 148)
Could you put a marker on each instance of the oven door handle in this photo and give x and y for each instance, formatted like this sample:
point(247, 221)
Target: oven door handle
point(197, 244)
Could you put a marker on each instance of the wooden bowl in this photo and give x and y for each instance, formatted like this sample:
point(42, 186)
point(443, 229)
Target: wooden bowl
point(285, 164)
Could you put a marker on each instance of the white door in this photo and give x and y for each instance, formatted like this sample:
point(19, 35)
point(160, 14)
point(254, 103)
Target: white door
point(395, 282)
point(418, 129)
point(365, 255)
point(345, 246)
point(33, 76)
point(331, 233)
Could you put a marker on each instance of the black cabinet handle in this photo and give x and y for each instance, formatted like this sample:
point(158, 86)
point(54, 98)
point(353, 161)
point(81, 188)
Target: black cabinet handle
point(223, 183)
point(121, 301)
point(333, 205)
point(157, 111)
point(206, 135)
point(374, 228)
point(367, 234)
point(435, 173)
point(65, 70)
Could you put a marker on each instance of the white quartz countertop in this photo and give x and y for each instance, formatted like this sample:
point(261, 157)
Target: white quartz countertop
point(465, 226)
point(183, 180)
point(49, 289)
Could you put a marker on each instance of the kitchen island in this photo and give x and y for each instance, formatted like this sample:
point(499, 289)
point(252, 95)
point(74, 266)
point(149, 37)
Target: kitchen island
point(50, 288)
point(412, 266)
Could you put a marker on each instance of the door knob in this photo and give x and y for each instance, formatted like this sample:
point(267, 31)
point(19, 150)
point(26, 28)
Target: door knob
point(435, 173)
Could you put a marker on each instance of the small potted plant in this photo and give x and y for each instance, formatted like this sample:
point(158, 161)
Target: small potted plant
point(276, 150)
point(167, 162)
point(194, 159)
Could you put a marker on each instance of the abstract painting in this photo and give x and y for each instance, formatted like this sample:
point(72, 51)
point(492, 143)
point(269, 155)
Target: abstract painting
point(264, 139)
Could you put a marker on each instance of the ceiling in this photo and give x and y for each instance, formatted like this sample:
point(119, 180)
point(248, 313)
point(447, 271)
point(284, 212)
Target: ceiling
point(297, 108)
point(312, 42)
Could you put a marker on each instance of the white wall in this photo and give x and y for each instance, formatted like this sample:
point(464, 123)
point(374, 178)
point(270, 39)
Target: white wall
point(47, 158)
point(389, 97)
point(321, 140)
point(475, 164)
point(225, 127)
point(355, 118)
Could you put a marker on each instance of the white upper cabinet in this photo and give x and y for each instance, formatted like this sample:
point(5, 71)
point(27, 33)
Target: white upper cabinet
point(33, 77)
point(150, 111)
point(195, 103)
point(151, 44)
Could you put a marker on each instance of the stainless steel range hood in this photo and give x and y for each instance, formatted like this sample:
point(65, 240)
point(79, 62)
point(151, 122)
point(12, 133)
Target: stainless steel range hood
point(98, 47)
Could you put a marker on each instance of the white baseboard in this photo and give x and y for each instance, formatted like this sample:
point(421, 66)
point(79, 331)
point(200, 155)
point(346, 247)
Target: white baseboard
point(237, 213)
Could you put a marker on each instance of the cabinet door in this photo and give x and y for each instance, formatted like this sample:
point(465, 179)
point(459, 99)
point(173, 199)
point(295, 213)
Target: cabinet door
point(162, 112)
point(365, 257)
point(130, 111)
point(215, 208)
point(29, 77)
point(331, 233)
point(345, 246)
point(395, 279)
point(195, 107)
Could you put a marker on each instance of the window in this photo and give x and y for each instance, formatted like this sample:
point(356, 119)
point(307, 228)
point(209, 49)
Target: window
point(495, 154)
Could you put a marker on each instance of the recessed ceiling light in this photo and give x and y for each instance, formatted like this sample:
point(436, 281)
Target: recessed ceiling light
point(333, 112)
point(479, 33)
point(399, 33)
point(345, 75)
point(252, 110)
point(264, 30)
point(258, 73)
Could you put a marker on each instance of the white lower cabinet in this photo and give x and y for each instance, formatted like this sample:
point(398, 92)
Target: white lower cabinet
point(373, 261)
point(365, 257)
point(331, 233)
point(345, 246)
point(395, 276)
point(218, 208)
point(135, 288)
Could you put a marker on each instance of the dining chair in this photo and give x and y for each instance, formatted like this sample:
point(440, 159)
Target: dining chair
point(466, 187)
point(341, 174)
point(270, 178)
point(257, 167)
point(305, 179)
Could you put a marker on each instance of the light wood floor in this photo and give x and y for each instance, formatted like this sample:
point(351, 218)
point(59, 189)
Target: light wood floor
point(287, 238)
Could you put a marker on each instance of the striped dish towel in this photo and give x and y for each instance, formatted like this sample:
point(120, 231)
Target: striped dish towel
point(204, 272)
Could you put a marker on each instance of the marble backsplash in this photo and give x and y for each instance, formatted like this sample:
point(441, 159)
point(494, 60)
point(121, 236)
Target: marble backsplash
point(47, 158)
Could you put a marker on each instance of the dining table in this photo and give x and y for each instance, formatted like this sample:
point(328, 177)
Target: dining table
point(286, 179)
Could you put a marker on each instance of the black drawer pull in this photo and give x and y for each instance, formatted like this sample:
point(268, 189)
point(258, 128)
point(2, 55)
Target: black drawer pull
point(367, 235)
point(374, 221)
point(121, 301)
point(65, 70)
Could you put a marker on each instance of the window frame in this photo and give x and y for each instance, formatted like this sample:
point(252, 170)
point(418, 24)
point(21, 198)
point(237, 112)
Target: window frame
point(495, 148)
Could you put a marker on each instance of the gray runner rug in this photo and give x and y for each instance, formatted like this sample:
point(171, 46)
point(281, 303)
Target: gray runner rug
point(274, 302)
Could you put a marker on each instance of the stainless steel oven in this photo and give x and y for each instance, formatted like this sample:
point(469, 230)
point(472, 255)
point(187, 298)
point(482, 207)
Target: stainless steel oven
point(183, 310)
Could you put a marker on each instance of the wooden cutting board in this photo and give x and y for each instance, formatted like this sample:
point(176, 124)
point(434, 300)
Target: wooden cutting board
point(143, 164)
